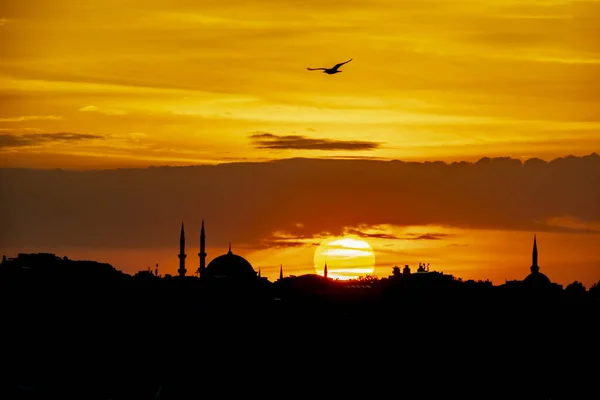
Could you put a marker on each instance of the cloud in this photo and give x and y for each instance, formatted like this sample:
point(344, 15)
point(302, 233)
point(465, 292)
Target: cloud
point(298, 142)
point(284, 244)
point(348, 157)
point(431, 236)
point(11, 140)
point(370, 233)
point(137, 136)
point(374, 235)
point(247, 202)
point(286, 239)
point(20, 130)
point(101, 110)
point(31, 118)
point(570, 224)
point(89, 108)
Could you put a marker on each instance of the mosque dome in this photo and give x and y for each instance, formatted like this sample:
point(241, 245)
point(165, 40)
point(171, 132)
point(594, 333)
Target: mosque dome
point(537, 278)
point(230, 266)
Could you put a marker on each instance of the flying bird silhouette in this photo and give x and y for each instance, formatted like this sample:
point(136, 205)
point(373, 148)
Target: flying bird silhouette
point(332, 70)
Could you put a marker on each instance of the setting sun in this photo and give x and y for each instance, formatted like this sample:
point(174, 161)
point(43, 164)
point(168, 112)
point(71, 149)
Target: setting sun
point(346, 258)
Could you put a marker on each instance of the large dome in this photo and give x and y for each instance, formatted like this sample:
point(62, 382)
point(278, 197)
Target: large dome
point(230, 266)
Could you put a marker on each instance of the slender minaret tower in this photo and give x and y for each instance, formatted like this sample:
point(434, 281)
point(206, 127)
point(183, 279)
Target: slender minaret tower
point(182, 255)
point(325, 271)
point(259, 275)
point(534, 258)
point(281, 271)
point(202, 253)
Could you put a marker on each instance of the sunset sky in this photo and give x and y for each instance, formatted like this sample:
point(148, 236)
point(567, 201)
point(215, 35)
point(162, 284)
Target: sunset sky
point(107, 84)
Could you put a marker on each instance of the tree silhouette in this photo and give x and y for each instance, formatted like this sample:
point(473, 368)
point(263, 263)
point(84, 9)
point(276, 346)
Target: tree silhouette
point(575, 288)
point(595, 290)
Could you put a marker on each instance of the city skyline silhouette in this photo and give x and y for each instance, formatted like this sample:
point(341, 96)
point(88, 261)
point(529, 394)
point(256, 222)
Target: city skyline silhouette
point(230, 265)
point(232, 310)
point(478, 232)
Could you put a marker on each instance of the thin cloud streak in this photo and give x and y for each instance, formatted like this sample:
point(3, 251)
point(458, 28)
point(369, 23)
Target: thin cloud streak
point(101, 110)
point(31, 118)
point(298, 142)
point(14, 140)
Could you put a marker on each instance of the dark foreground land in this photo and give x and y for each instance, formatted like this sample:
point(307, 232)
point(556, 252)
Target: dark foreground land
point(184, 341)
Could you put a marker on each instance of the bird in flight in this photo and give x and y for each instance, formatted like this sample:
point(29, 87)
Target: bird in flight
point(332, 70)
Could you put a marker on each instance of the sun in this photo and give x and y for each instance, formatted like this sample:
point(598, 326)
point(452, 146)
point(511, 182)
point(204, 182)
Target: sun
point(346, 258)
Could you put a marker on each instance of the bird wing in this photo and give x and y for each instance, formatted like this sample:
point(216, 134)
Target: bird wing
point(340, 64)
point(316, 69)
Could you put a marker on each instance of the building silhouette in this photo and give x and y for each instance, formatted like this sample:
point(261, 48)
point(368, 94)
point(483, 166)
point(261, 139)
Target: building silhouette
point(228, 266)
point(182, 254)
point(202, 253)
point(535, 282)
point(536, 277)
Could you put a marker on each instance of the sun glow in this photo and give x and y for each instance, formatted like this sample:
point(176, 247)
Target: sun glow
point(346, 258)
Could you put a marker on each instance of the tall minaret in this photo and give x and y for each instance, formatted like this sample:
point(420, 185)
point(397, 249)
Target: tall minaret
point(202, 253)
point(281, 271)
point(534, 258)
point(182, 255)
point(325, 271)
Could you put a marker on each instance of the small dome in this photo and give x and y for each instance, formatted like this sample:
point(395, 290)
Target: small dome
point(537, 278)
point(230, 266)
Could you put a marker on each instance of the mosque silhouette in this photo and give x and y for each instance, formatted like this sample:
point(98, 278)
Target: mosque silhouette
point(233, 267)
point(227, 266)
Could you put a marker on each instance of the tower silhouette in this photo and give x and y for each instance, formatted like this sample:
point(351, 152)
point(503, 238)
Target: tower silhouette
point(325, 271)
point(202, 253)
point(281, 271)
point(534, 257)
point(182, 255)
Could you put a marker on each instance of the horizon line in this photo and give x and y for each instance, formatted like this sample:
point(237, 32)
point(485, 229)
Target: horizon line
point(522, 160)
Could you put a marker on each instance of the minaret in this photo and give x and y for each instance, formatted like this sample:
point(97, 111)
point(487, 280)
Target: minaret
point(229, 252)
point(534, 258)
point(182, 255)
point(259, 272)
point(325, 271)
point(202, 253)
point(281, 271)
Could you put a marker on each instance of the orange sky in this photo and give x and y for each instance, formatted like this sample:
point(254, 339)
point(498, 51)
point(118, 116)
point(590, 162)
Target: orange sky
point(183, 81)
point(132, 83)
